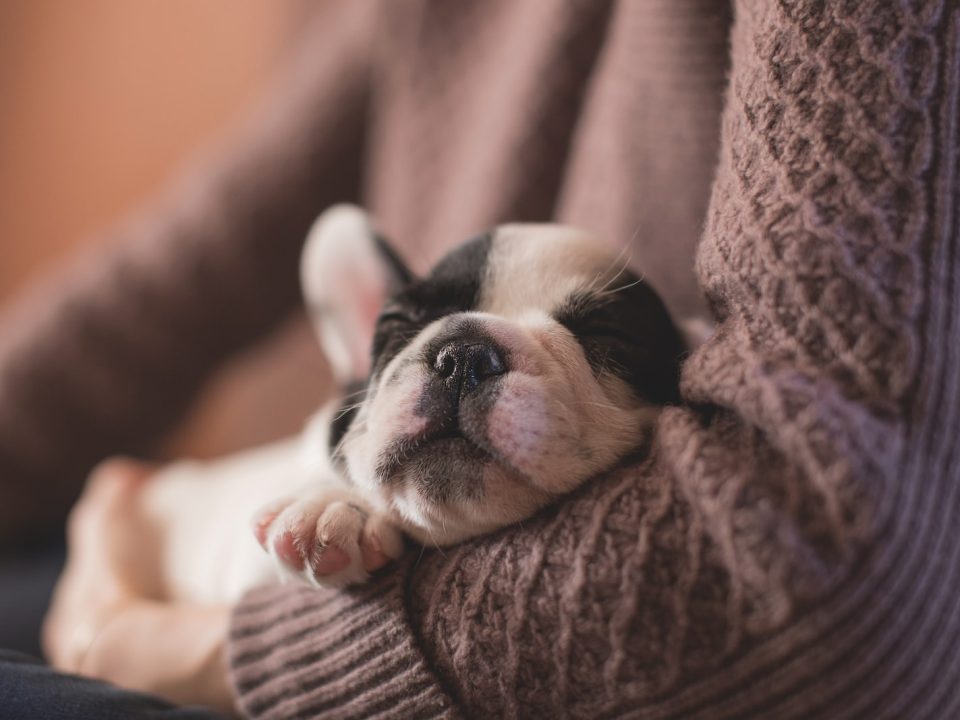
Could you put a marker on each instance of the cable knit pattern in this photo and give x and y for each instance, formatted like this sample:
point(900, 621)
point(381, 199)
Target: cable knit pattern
point(786, 546)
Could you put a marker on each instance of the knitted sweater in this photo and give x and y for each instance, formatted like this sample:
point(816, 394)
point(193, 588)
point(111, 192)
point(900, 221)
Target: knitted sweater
point(786, 548)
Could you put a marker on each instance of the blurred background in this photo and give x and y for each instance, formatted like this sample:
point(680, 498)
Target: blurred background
point(102, 103)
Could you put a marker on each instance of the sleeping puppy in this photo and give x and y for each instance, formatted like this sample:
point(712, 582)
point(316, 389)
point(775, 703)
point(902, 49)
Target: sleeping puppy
point(526, 362)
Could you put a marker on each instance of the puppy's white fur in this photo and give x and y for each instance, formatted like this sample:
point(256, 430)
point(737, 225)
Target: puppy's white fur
point(555, 422)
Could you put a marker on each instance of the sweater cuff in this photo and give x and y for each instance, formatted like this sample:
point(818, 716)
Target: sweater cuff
point(300, 652)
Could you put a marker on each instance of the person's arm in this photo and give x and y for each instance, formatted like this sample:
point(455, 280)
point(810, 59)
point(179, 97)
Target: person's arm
point(784, 551)
point(104, 359)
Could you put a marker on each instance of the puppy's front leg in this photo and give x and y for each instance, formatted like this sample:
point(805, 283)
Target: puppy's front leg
point(329, 537)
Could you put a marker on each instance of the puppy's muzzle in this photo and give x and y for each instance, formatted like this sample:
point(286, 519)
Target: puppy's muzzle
point(459, 389)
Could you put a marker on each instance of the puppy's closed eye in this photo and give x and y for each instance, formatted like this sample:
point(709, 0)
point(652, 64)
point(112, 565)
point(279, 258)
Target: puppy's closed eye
point(395, 327)
point(391, 317)
point(619, 334)
point(593, 318)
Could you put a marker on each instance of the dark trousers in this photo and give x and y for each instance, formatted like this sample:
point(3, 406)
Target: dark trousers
point(31, 690)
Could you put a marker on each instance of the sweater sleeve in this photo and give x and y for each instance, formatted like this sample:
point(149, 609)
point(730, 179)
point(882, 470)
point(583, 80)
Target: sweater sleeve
point(104, 358)
point(787, 548)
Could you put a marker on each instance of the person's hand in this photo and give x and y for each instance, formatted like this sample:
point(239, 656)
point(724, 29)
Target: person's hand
point(103, 625)
point(93, 588)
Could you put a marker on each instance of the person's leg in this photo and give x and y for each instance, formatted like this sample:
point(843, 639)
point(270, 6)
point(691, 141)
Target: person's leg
point(31, 689)
point(26, 583)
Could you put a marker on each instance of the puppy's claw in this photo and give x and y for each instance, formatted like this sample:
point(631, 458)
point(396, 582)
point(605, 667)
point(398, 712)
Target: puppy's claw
point(328, 560)
point(372, 554)
point(285, 549)
point(380, 543)
point(264, 517)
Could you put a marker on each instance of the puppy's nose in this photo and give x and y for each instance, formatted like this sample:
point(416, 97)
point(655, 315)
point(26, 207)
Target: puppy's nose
point(469, 363)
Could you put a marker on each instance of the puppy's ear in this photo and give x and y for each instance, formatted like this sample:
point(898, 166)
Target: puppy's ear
point(347, 271)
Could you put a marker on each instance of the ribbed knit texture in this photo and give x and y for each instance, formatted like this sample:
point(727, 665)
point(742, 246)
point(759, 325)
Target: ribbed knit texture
point(311, 654)
point(788, 546)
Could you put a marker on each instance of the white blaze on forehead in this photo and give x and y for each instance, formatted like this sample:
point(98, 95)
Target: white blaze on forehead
point(540, 266)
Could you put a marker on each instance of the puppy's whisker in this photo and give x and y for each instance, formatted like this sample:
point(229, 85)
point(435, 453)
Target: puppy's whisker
point(605, 406)
point(433, 539)
point(437, 545)
point(634, 234)
point(355, 393)
point(347, 410)
point(624, 287)
point(569, 411)
point(622, 259)
point(622, 256)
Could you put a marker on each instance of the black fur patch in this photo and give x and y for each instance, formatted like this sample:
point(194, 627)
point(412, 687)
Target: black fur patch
point(343, 417)
point(453, 286)
point(628, 332)
point(397, 266)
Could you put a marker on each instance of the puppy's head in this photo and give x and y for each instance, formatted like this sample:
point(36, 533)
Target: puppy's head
point(528, 360)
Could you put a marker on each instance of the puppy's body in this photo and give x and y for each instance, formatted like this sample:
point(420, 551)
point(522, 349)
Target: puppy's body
point(200, 514)
point(526, 362)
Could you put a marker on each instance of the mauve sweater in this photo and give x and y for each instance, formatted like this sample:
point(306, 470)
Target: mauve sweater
point(788, 545)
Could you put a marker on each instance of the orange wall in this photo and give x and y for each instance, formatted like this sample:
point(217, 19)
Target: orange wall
point(101, 101)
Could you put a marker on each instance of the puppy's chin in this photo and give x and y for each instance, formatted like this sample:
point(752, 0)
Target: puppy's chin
point(505, 461)
point(440, 483)
point(444, 468)
point(450, 511)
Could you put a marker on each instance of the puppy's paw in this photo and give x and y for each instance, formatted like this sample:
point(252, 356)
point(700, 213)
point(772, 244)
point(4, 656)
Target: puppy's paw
point(333, 539)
